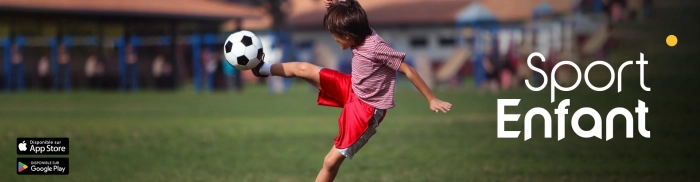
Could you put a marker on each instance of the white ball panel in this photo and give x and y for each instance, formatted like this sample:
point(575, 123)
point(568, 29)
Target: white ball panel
point(253, 63)
point(248, 33)
point(238, 49)
point(256, 42)
point(230, 58)
point(235, 38)
point(240, 67)
point(252, 54)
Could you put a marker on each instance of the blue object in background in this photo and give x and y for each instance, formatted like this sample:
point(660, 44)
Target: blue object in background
point(164, 41)
point(481, 20)
point(229, 73)
point(6, 60)
point(227, 68)
point(195, 40)
point(542, 9)
point(207, 41)
point(281, 38)
point(14, 73)
point(60, 73)
point(598, 6)
point(127, 72)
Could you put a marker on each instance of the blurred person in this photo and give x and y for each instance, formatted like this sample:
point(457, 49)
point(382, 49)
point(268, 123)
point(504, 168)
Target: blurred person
point(366, 94)
point(209, 62)
point(63, 76)
point(276, 54)
point(229, 75)
point(510, 63)
point(492, 67)
point(43, 70)
point(16, 72)
point(615, 9)
point(162, 71)
point(237, 79)
point(636, 9)
point(132, 71)
point(521, 69)
point(541, 46)
point(617, 12)
point(505, 64)
point(94, 71)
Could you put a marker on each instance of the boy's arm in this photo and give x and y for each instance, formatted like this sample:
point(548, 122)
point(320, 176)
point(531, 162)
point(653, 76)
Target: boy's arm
point(412, 75)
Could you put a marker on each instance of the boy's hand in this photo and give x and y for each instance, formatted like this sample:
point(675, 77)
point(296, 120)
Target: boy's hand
point(438, 105)
point(328, 3)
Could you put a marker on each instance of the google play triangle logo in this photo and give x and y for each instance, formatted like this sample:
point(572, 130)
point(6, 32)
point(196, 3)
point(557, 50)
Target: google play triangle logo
point(21, 166)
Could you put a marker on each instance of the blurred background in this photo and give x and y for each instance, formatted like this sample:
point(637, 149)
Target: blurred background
point(144, 93)
point(127, 45)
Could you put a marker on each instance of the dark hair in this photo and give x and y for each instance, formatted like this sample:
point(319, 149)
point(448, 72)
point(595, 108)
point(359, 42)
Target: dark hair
point(347, 18)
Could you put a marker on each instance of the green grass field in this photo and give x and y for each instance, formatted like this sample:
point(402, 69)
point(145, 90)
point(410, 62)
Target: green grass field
point(254, 136)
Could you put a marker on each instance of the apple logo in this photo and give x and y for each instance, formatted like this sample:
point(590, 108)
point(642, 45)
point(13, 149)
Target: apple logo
point(22, 146)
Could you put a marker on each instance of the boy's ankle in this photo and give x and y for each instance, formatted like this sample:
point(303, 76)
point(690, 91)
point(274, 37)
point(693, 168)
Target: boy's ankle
point(261, 73)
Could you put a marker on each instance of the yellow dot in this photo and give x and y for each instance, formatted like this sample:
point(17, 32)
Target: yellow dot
point(671, 40)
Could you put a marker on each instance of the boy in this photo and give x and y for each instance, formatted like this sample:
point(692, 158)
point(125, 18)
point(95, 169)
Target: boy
point(365, 94)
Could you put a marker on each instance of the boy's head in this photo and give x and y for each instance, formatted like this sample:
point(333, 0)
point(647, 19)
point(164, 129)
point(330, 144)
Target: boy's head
point(348, 23)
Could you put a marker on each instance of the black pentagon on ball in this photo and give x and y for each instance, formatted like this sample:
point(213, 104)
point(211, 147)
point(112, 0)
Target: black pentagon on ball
point(242, 60)
point(228, 46)
point(247, 41)
point(260, 54)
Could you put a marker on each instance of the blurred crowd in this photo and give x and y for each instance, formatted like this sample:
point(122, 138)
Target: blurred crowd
point(91, 71)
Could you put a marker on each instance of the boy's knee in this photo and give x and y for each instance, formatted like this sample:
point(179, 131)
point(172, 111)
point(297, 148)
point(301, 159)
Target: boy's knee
point(306, 68)
point(331, 164)
point(303, 67)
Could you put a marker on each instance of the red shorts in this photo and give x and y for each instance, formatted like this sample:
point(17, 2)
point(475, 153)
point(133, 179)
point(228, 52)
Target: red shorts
point(356, 117)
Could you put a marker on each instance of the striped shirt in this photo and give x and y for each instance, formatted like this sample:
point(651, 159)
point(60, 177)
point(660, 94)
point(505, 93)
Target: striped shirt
point(374, 68)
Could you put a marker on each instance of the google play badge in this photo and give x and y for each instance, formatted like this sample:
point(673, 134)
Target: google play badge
point(21, 167)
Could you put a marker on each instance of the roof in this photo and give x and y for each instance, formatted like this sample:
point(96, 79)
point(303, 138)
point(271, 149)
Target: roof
point(205, 9)
point(509, 10)
point(475, 12)
point(309, 13)
point(417, 12)
point(543, 8)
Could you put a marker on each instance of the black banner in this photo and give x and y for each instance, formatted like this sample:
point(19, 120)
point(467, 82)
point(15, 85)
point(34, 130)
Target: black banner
point(42, 166)
point(42, 146)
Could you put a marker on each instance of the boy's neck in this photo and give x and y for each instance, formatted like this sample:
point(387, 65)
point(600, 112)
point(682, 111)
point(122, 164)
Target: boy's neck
point(354, 46)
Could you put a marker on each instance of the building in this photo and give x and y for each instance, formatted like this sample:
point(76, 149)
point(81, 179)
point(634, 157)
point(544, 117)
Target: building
point(426, 26)
point(428, 30)
point(102, 29)
point(441, 30)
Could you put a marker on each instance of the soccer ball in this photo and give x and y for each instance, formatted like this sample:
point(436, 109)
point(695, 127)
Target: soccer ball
point(243, 50)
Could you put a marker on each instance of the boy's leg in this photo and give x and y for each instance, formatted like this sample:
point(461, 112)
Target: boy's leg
point(331, 165)
point(334, 158)
point(306, 71)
